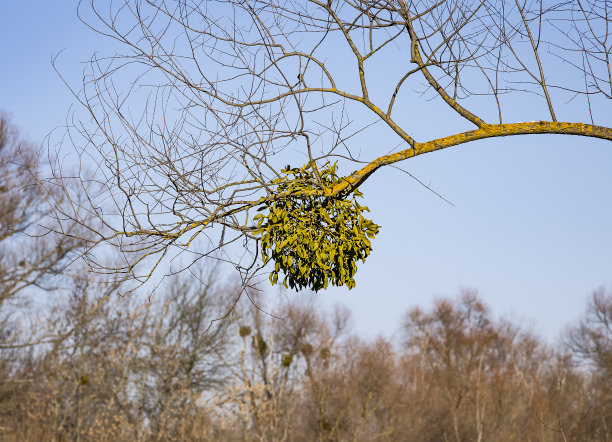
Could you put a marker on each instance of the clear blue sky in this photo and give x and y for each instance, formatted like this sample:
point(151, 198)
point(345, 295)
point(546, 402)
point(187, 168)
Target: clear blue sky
point(531, 227)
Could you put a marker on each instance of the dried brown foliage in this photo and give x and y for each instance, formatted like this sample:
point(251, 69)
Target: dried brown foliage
point(116, 369)
point(93, 365)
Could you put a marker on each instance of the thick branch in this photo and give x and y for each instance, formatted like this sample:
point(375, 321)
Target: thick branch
point(487, 131)
point(354, 180)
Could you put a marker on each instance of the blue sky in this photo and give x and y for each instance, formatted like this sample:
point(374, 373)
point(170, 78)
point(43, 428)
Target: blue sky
point(530, 228)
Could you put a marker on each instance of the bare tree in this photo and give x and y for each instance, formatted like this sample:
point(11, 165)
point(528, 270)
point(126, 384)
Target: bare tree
point(275, 359)
point(30, 256)
point(29, 259)
point(191, 122)
point(591, 342)
point(119, 368)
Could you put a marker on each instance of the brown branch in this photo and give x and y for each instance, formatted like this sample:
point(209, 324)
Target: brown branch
point(416, 58)
point(487, 131)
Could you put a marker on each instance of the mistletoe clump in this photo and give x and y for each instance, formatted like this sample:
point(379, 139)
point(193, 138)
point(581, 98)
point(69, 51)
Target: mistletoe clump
point(313, 239)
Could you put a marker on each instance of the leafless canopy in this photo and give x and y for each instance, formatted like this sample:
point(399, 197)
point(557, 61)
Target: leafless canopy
point(28, 254)
point(193, 117)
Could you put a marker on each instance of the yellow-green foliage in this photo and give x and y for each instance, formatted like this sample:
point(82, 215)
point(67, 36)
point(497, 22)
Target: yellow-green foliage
point(314, 240)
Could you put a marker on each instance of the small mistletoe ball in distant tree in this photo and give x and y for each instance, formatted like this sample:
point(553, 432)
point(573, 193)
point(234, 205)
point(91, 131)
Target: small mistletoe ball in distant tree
point(314, 240)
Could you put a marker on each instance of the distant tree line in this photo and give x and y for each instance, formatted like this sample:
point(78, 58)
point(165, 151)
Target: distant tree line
point(81, 362)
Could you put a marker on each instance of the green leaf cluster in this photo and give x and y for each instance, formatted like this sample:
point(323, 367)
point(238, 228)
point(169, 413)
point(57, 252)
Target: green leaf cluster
point(312, 239)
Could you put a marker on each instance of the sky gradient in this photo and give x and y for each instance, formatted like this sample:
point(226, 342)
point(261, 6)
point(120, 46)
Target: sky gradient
point(530, 228)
